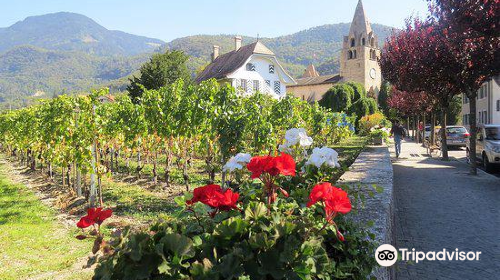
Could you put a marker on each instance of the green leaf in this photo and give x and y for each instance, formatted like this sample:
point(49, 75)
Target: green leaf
point(231, 227)
point(164, 267)
point(181, 246)
point(255, 210)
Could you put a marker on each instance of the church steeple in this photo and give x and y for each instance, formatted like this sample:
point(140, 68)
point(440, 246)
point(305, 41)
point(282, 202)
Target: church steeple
point(360, 23)
point(358, 62)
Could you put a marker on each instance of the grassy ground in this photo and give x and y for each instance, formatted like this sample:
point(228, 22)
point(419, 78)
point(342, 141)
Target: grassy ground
point(137, 202)
point(33, 243)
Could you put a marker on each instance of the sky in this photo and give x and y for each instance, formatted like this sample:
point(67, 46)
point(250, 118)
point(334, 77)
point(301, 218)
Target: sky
point(167, 19)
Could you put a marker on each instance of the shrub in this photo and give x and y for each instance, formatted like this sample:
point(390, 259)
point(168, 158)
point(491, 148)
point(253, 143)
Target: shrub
point(366, 123)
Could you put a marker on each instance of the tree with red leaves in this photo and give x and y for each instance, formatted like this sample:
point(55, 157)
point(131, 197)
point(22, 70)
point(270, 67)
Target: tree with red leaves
point(410, 103)
point(472, 31)
point(419, 59)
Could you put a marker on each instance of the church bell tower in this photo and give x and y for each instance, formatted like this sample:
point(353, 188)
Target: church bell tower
point(360, 53)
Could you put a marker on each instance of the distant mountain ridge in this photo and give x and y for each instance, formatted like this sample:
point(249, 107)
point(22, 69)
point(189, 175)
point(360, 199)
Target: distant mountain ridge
point(74, 32)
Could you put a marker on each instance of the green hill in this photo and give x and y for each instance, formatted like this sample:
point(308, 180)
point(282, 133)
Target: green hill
point(319, 45)
point(29, 72)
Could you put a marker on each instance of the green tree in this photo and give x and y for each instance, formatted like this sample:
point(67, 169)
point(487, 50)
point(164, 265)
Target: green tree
point(161, 70)
point(350, 98)
point(339, 98)
point(383, 95)
point(363, 107)
point(359, 90)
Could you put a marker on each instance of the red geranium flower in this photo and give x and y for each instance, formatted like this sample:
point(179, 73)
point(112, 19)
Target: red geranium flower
point(339, 202)
point(283, 164)
point(215, 197)
point(335, 200)
point(94, 216)
point(320, 192)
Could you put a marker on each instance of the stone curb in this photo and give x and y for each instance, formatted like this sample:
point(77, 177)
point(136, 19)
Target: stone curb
point(374, 166)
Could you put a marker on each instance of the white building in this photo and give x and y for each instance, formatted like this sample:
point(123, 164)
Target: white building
point(488, 104)
point(249, 69)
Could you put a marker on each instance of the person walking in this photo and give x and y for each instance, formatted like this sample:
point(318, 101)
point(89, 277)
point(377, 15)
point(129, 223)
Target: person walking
point(421, 132)
point(398, 132)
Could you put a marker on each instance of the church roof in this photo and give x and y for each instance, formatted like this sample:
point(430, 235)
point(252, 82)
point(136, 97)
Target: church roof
point(232, 61)
point(326, 79)
point(310, 72)
point(360, 23)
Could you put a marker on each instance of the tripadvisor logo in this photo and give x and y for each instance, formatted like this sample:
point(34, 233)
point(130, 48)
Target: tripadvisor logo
point(387, 255)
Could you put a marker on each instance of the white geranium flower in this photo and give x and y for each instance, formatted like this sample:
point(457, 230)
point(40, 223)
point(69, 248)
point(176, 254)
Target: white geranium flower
point(322, 156)
point(237, 162)
point(296, 136)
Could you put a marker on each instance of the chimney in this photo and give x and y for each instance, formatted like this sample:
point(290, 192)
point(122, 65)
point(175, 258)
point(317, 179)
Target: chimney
point(215, 53)
point(237, 43)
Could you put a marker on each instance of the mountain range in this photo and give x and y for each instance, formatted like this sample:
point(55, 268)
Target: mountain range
point(66, 52)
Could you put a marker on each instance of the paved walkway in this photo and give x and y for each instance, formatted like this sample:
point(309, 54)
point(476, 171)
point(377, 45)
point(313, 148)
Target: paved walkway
point(439, 206)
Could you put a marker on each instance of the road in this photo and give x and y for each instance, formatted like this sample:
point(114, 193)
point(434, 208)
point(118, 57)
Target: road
point(459, 154)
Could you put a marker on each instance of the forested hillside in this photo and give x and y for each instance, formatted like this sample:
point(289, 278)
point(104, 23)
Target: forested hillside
point(47, 55)
point(28, 72)
point(319, 45)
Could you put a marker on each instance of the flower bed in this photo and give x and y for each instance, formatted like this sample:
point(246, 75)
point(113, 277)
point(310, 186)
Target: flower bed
point(277, 217)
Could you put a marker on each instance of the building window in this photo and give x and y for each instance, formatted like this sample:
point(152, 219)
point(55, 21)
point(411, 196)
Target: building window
point(244, 85)
point(250, 67)
point(256, 85)
point(277, 87)
point(485, 116)
point(498, 105)
point(466, 99)
point(363, 42)
point(353, 42)
point(271, 68)
point(349, 55)
point(354, 54)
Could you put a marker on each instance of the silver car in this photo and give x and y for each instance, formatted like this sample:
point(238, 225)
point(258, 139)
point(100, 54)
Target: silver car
point(456, 136)
point(488, 145)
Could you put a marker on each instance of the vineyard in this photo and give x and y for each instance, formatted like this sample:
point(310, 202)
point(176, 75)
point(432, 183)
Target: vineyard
point(246, 161)
point(172, 128)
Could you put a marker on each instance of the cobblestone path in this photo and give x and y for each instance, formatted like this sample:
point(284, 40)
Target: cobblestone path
point(439, 206)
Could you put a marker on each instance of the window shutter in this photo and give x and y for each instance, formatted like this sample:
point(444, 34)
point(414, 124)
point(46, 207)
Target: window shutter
point(277, 87)
point(250, 67)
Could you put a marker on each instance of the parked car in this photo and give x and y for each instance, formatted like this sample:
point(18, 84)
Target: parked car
point(427, 132)
point(488, 145)
point(456, 136)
